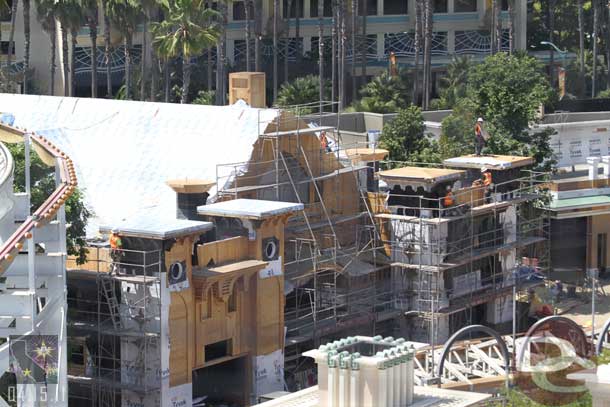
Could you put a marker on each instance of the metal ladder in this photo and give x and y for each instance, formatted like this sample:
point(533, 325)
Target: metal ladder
point(107, 284)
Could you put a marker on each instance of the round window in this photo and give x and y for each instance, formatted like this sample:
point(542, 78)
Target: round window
point(270, 249)
point(175, 271)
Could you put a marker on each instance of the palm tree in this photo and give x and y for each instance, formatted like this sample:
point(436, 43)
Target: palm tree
point(595, 32)
point(45, 10)
point(287, 40)
point(125, 16)
point(511, 26)
point(333, 55)
point(353, 43)
point(418, 40)
point(365, 42)
point(581, 45)
point(247, 5)
point(321, 50)
point(11, 38)
point(276, 18)
point(427, 30)
point(149, 8)
point(107, 49)
point(26, 44)
point(221, 80)
point(454, 82)
point(69, 14)
point(91, 14)
point(297, 30)
point(188, 30)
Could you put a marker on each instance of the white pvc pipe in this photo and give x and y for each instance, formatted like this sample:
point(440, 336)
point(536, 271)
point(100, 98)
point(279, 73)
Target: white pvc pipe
point(332, 385)
point(354, 388)
point(382, 389)
point(390, 384)
point(410, 379)
point(343, 387)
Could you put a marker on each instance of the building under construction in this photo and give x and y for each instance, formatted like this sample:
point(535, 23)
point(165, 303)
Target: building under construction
point(300, 240)
point(378, 250)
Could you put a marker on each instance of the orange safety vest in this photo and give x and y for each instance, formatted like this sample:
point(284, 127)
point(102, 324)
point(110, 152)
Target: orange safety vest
point(478, 131)
point(448, 201)
point(323, 141)
point(115, 242)
point(487, 180)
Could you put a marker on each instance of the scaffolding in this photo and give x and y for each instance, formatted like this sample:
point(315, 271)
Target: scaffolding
point(345, 270)
point(453, 259)
point(333, 275)
point(115, 321)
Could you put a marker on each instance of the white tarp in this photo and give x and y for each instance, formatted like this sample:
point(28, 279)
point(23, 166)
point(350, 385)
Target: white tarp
point(124, 151)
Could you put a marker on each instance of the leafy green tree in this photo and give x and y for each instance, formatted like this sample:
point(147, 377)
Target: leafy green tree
point(189, 29)
point(300, 91)
point(457, 131)
point(404, 138)
point(515, 398)
point(43, 184)
point(205, 97)
point(385, 93)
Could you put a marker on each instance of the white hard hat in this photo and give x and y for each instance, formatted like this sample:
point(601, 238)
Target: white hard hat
point(115, 230)
point(480, 119)
point(483, 169)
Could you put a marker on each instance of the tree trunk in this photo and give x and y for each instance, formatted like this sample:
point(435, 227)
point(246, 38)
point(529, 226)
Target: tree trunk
point(220, 61)
point(128, 41)
point(166, 81)
point(354, 46)
point(552, 4)
point(107, 50)
point(297, 31)
point(186, 79)
point(276, 18)
point(74, 38)
point(287, 41)
point(511, 27)
point(365, 42)
point(248, 33)
point(53, 44)
point(93, 35)
point(154, 64)
point(210, 69)
point(257, 35)
point(11, 36)
point(143, 64)
point(418, 38)
point(428, 13)
point(26, 44)
point(498, 27)
point(608, 50)
point(595, 31)
point(321, 50)
point(66, 62)
point(333, 56)
point(581, 45)
point(341, 22)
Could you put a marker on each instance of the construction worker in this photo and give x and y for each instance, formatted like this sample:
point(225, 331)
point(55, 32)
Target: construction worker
point(393, 67)
point(479, 137)
point(448, 200)
point(116, 246)
point(324, 141)
point(485, 181)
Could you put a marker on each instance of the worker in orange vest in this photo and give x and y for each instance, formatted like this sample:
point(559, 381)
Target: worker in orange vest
point(448, 201)
point(479, 138)
point(324, 141)
point(116, 245)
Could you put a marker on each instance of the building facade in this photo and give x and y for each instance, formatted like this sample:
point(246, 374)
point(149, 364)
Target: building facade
point(461, 27)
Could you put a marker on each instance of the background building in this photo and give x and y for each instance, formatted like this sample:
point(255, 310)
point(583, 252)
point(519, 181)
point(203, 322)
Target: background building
point(461, 27)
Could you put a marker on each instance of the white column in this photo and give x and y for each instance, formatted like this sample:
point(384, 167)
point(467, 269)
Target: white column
point(379, 7)
point(593, 163)
point(306, 9)
point(380, 46)
point(306, 44)
point(450, 6)
point(450, 41)
point(231, 51)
